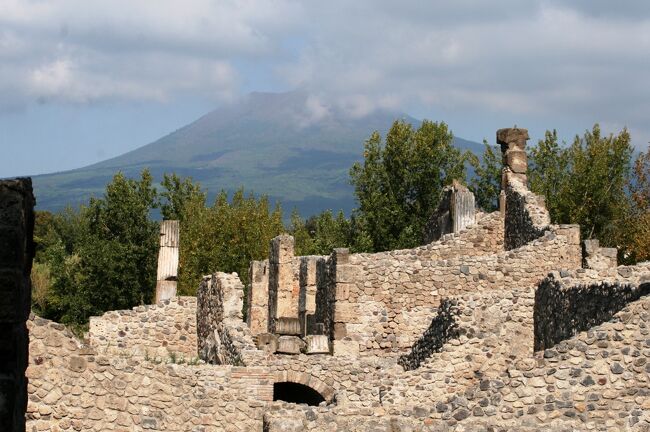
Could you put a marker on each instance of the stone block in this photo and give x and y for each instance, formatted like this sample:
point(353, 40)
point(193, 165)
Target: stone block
point(345, 348)
point(345, 273)
point(513, 137)
point(517, 161)
point(317, 344)
point(521, 178)
point(342, 255)
point(282, 249)
point(267, 342)
point(342, 291)
point(571, 232)
point(287, 326)
point(290, 345)
point(346, 312)
point(340, 330)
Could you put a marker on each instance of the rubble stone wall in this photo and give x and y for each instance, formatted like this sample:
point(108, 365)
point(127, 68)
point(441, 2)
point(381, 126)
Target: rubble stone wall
point(568, 302)
point(74, 387)
point(223, 337)
point(16, 253)
point(597, 380)
point(158, 331)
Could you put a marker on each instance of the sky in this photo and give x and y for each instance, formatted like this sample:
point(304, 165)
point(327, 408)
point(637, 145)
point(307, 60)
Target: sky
point(84, 81)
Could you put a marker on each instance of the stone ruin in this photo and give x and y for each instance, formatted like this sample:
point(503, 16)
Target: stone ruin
point(167, 273)
point(500, 321)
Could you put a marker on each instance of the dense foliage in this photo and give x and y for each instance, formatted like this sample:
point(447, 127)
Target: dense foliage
point(99, 258)
point(399, 183)
point(586, 183)
point(225, 236)
point(486, 182)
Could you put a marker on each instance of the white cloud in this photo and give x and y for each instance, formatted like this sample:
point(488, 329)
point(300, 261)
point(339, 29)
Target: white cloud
point(586, 60)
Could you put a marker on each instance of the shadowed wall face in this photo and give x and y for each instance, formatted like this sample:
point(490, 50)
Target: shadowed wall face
point(16, 253)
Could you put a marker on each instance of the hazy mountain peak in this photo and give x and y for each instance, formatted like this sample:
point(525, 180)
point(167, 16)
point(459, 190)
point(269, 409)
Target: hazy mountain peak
point(292, 146)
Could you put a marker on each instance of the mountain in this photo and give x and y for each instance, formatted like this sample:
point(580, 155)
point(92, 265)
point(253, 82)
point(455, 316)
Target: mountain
point(285, 145)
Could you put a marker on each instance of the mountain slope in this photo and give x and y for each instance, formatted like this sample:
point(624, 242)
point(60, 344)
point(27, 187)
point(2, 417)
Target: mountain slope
point(284, 145)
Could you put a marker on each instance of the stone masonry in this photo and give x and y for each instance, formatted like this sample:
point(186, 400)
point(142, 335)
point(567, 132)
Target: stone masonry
point(16, 253)
point(507, 323)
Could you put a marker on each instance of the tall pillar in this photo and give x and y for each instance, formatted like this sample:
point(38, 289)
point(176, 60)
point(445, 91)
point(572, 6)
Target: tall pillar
point(283, 286)
point(16, 254)
point(167, 275)
point(307, 297)
point(258, 297)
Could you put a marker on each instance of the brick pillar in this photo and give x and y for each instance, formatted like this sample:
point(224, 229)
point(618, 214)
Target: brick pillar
point(258, 297)
point(283, 286)
point(16, 253)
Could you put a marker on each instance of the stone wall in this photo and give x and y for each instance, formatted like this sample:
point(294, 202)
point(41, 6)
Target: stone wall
point(73, 387)
point(598, 380)
point(159, 331)
point(16, 254)
point(566, 305)
point(384, 302)
point(223, 337)
point(442, 328)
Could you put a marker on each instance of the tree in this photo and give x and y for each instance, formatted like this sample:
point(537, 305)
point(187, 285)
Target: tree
point(398, 185)
point(486, 183)
point(225, 237)
point(321, 233)
point(585, 183)
point(176, 195)
point(549, 176)
point(112, 262)
point(634, 239)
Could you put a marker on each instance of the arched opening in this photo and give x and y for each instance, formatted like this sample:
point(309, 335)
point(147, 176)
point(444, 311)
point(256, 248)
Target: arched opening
point(296, 393)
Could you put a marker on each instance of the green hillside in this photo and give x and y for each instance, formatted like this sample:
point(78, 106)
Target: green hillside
point(269, 143)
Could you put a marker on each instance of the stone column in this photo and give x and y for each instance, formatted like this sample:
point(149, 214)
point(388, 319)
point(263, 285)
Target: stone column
point(307, 297)
point(167, 275)
point(283, 286)
point(258, 297)
point(16, 254)
point(346, 312)
point(513, 148)
point(455, 212)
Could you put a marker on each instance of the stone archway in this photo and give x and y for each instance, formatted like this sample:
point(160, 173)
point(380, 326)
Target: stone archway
point(301, 387)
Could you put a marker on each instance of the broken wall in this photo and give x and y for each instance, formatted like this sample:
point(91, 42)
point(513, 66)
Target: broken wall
point(16, 254)
point(162, 330)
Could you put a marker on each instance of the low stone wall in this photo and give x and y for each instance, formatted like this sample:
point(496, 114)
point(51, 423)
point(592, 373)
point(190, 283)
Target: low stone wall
point(159, 331)
point(16, 253)
point(73, 387)
point(566, 305)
